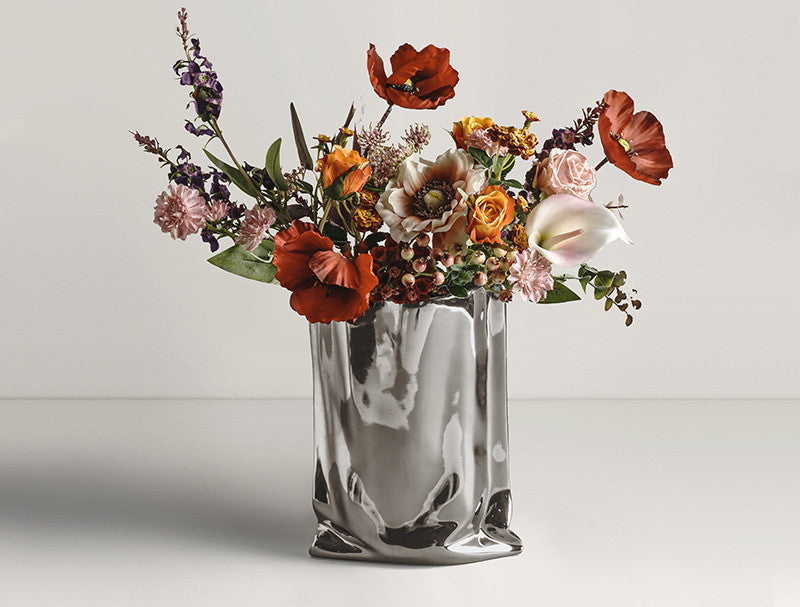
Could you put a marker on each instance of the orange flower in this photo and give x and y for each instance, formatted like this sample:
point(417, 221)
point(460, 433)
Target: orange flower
point(633, 142)
point(338, 162)
point(420, 80)
point(467, 125)
point(492, 210)
point(325, 285)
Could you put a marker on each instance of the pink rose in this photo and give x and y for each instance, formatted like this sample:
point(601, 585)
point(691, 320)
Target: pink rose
point(566, 172)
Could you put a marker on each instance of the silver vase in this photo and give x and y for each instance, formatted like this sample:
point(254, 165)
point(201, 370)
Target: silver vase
point(411, 433)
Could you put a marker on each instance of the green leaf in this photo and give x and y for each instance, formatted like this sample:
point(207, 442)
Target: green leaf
point(603, 279)
point(601, 293)
point(336, 233)
point(513, 183)
point(559, 294)
point(250, 264)
point(336, 189)
point(481, 157)
point(375, 238)
point(237, 177)
point(507, 162)
point(458, 291)
point(584, 280)
point(300, 140)
point(273, 166)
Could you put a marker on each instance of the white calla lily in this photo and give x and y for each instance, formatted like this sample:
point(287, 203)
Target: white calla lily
point(569, 231)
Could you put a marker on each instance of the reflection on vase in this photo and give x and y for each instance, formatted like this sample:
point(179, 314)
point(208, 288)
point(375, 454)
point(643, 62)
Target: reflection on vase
point(411, 433)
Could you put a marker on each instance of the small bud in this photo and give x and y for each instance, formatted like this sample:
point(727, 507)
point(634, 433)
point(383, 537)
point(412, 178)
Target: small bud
point(458, 260)
point(480, 279)
point(448, 260)
point(629, 321)
point(511, 255)
point(505, 265)
point(407, 253)
point(423, 240)
point(499, 252)
point(492, 263)
point(506, 296)
point(438, 278)
point(437, 253)
point(498, 278)
point(478, 257)
point(419, 265)
point(408, 280)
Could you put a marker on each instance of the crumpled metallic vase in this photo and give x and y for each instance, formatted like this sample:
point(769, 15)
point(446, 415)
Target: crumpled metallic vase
point(411, 434)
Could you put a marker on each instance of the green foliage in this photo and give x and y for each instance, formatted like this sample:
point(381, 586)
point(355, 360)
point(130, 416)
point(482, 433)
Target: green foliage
point(273, 166)
point(559, 294)
point(237, 177)
point(256, 264)
point(300, 141)
point(481, 157)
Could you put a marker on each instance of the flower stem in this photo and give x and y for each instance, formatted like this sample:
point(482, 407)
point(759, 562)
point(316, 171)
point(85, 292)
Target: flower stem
point(325, 214)
point(601, 163)
point(218, 131)
point(384, 117)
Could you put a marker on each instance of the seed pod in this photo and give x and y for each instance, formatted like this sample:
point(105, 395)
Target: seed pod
point(408, 280)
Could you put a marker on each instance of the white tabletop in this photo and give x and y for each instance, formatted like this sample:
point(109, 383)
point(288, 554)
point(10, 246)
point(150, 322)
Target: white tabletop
point(649, 503)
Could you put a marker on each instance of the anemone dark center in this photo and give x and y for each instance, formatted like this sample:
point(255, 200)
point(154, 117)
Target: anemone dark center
point(433, 199)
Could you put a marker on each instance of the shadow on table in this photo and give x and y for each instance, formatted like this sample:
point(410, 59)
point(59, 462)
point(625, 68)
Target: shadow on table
point(100, 503)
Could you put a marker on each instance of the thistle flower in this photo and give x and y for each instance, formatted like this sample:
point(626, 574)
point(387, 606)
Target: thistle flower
point(254, 227)
point(530, 275)
point(180, 211)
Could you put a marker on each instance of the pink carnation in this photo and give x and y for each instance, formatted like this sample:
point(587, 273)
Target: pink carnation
point(480, 140)
point(217, 210)
point(180, 211)
point(530, 275)
point(254, 226)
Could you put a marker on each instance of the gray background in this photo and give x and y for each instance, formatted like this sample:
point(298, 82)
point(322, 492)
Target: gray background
point(97, 302)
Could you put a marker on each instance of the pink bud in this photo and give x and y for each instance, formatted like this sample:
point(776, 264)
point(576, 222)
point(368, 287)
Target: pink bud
point(423, 240)
point(408, 280)
point(480, 279)
point(448, 260)
point(438, 278)
point(419, 265)
point(407, 253)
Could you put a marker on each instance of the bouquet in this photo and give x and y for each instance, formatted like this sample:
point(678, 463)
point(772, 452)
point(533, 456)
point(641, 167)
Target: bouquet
point(364, 218)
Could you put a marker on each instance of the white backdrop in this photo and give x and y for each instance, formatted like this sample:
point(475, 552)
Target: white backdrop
point(96, 301)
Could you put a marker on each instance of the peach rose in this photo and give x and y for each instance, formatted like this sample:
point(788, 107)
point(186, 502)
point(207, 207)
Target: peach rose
point(492, 210)
point(566, 172)
point(338, 162)
point(467, 125)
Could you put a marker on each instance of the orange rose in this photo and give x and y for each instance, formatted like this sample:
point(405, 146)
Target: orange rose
point(467, 125)
point(492, 211)
point(338, 162)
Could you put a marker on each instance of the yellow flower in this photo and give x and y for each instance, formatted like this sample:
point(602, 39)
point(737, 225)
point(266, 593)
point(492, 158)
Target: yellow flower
point(518, 237)
point(365, 217)
point(467, 125)
point(520, 142)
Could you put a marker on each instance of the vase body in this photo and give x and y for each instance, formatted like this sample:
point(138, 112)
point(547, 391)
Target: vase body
point(411, 433)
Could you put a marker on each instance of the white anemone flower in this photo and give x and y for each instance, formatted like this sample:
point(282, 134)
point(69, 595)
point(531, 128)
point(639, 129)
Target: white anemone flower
point(569, 231)
point(429, 196)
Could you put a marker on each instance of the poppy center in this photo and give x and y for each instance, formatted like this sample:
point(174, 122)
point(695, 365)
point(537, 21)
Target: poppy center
point(433, 199)
point(623, 142)
point(407, 87)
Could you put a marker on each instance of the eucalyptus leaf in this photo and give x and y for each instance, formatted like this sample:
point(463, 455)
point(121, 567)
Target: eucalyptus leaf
point(560, 294)
point(273, 166)
point(249, 264)
point(336, 233)
point(300, 140)
point(236, 176)
point(375, 238)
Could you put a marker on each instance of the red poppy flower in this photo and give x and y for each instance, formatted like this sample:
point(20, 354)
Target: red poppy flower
point(421, 80)
point(325, 285)
point(633, 142)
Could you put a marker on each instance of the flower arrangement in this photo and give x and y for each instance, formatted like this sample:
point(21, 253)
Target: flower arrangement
point(363, 220)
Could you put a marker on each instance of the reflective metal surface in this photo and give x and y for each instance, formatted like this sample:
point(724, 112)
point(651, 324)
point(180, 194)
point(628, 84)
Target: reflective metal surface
point(411, 433)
